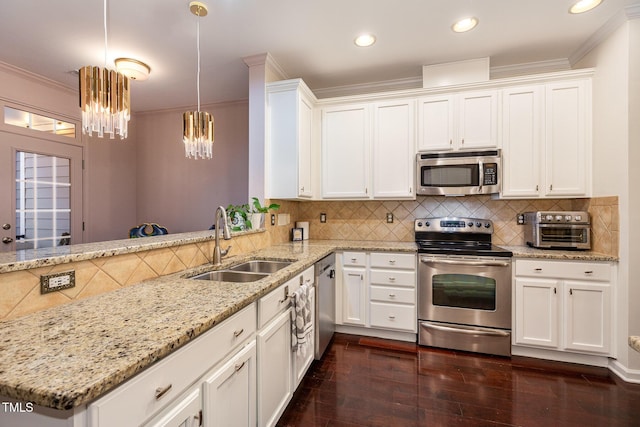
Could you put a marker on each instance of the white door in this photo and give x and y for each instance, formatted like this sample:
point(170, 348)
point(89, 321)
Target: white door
point(41, 184)
point(435, 123)
point(354, 298)
point(588, 316)
point(394, 149)
point(274, 369)
point(522, 134)
point(305, 139)
point(345, 151)
point(478, 120)
point(230, 392)
point(537, 312)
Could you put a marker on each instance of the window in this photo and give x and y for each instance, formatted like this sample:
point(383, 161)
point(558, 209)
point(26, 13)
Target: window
point(25, 119)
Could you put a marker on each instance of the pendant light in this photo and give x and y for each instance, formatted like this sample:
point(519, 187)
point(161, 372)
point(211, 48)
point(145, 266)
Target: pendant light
point(197, 126)
point(104, 97)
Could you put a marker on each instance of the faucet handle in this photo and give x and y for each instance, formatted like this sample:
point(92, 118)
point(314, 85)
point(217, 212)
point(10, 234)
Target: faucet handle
point(223, 252)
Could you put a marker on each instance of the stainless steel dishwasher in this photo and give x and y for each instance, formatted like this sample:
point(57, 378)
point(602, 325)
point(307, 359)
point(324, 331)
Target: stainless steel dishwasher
point(325, 272)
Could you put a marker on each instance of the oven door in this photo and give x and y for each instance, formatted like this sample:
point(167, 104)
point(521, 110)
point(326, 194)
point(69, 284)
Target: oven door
point(465, 290)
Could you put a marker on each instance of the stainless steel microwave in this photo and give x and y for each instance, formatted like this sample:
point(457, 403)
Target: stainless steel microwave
point(458, 173)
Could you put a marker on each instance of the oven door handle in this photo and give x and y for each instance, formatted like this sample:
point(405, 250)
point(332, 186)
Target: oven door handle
point(485, 332)
point(466, 262)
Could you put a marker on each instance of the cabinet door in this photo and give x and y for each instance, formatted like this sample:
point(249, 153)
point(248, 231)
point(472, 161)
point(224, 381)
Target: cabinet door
point(345, 151)
point(478, 120)
point(588, 316)
point(230, 391)
point(305, 140)
point(354, 298)
point(566, 143)
point(394, 149)
point(521, 141)
point(274, 369)
point(185, 412)
point(537, 312)
point(435, 123)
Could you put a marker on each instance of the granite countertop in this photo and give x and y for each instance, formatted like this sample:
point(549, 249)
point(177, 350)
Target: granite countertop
point(66, 356)
point(555, 254)
point(634, 343)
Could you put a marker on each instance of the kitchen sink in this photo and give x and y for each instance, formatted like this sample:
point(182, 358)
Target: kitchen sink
point(261, 266)
point(230, 276)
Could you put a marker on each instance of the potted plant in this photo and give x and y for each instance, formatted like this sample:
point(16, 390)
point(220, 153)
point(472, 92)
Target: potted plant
point(258, 211)
point(238, 216)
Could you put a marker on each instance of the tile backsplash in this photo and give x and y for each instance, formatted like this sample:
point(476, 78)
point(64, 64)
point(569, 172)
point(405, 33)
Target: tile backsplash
point(346, 220)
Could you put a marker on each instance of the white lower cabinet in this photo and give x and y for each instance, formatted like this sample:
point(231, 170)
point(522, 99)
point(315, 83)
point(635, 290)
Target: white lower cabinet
point(229, 393)
point(563, 305)
point(185, 412)
point(378, 290)
point(302, 359)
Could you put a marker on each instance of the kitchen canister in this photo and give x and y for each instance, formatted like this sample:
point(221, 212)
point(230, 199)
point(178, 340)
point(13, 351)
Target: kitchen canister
point(305, 229)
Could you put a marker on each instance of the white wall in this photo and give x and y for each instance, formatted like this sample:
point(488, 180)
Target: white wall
point(615, 170)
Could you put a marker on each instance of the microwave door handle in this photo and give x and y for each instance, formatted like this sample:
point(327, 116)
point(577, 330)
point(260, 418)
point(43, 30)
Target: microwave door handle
point(481, 169)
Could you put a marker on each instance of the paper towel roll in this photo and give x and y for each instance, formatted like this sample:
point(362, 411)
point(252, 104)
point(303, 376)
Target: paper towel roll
point(305, 229)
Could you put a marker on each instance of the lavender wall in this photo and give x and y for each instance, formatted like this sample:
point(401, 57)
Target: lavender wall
point(182, 194)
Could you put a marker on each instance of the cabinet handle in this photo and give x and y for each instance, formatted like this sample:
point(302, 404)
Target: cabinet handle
point(392, 261)
point(538, 269)
point(570, 291)
point(286, 297)
point(354, 259)
point(236, 334)
point(588, 272)
point(551, 187)
point(198, 417)
point(536, 188)
point(462, 141)
point(161, 391)
point(392, 317)
point(410, 190)
point(392, 279)
point(302, 189)
point(555, 290)
point(240, 366)
point(451, 142)
point(392, 295)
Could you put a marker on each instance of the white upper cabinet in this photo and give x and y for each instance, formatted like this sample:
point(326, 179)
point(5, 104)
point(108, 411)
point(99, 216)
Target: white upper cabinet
point(346, 140)
point(394, 148)
point(546, 140)
point(567, 138)
point(467, 120)
point(291, 141)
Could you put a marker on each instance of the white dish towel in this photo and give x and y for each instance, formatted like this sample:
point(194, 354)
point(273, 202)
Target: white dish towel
point(301, 321)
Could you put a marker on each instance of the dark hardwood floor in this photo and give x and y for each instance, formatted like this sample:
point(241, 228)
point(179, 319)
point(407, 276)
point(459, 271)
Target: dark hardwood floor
point(371, 382)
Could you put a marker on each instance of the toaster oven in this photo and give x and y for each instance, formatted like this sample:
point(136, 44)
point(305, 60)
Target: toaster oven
point(558, 229)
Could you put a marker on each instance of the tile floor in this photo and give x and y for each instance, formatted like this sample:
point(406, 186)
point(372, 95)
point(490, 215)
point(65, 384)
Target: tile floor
point(370, 382)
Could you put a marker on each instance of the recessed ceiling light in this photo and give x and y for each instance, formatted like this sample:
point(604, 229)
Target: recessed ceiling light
point(365, 40)
point(584, 6)
point(465, 24)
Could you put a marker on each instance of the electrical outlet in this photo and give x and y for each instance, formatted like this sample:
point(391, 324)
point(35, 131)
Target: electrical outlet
point(273, 219)
point(389, 217)
point(323, 217)
point(520, 219)
point(57, 281)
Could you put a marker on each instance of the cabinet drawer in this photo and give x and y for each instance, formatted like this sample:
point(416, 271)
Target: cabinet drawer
point(564, 269)
point(354, 258)
point(393, 316)
point(135, 400)
point(393, 295)
point(276, 301)
point(393, 277)
point(393, 260)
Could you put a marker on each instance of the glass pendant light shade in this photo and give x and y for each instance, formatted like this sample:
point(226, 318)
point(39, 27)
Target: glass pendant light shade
point(105, 102)
point(197, 126)
point(197, 129)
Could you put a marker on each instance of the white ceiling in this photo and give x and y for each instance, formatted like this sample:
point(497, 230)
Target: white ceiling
point(311, 39)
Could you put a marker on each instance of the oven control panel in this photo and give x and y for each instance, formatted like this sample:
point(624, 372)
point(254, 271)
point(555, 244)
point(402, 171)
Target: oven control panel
point(454, 225)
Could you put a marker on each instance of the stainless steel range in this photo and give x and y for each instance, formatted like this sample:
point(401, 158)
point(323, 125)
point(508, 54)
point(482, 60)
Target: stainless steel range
point(464, 286)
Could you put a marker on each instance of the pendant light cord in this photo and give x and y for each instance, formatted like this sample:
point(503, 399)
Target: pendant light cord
point(198, 47)
point(105, 34)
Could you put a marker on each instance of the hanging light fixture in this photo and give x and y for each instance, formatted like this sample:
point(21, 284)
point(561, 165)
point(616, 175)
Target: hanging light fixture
point(197, 126)
point(104, 97)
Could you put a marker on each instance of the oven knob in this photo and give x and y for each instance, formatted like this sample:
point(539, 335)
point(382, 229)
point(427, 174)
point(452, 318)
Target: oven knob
point(567, 218)
point(427, 223)
point(578, 217)
point(470, 224)
point(548, 217)
point(478, 224)
point(487, 225)
point(420, 224)
point(558, 217)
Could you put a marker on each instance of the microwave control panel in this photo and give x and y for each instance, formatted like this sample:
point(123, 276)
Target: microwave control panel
point(490, 174)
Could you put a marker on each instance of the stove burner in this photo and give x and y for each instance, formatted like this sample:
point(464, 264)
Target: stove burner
point(457, 236)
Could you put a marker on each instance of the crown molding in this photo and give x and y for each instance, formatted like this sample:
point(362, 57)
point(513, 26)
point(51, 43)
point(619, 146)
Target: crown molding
point(365, 88)
point(502, 71)
point(624, 15)
point(36, 78)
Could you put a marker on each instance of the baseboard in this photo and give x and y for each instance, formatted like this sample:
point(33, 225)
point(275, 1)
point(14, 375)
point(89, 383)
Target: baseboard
point(377, 333)
point(561, 356)
point(625, 374)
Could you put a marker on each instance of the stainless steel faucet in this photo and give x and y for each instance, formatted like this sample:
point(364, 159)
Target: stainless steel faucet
point(218, 253)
